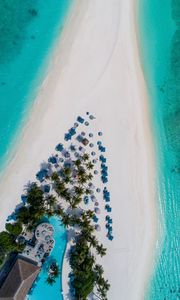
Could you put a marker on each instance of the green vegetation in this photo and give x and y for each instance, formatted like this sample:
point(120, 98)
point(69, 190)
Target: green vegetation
point(54, 273)
point(87, 275)
point(37, 206)
point(15, 228)
point(28, 217)
point(8, 244)
point(50, 280)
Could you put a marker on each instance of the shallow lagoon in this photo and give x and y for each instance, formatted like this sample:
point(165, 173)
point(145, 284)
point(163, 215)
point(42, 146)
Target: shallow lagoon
point(160, 45)
point(28, 31)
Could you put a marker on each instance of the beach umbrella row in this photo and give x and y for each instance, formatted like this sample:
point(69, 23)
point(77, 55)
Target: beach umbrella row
point(106, 195)
point(104, 173)
point(101, 148)
point(109, 222)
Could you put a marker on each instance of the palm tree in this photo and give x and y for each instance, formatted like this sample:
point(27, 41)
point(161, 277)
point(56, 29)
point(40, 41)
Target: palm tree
point(90, 214)
point(60, 187)
point(100, 250)
point(99, 270)
point(66, 219)
point(55, 176)
point(79, 190)
point(77, 163)
point(93, 241)
point(103, 287)
point(89, 165)
point(59, 211)
point(85, 157)
point(51, 200)
point(82, 179)
point(87, 191)
point(66, 173)
point(50, 280)
point(81, 172)
point(89, 176)
point(56, 271)
point(76, 201)
point(76, 220)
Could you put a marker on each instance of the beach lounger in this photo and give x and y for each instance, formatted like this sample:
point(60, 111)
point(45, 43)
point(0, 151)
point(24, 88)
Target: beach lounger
point(80, 119)
point(95, 219)
point(72, 131)
point(67, 136)
point(59, 147)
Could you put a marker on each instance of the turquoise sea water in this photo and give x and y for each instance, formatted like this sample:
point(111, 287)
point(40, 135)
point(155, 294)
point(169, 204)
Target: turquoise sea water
point(28, 30)
point(159, 28)
point(41, 289)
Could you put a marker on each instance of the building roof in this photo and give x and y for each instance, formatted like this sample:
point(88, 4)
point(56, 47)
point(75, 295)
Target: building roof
point(19, 280)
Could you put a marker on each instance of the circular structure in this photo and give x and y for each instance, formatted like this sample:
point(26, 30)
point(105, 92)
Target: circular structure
point(86, 123)
point(91, 135)
point(93, 153)
point(44, 232)
point(95, 172)
point(98, 190)
point(100, 133)
point(91, 145)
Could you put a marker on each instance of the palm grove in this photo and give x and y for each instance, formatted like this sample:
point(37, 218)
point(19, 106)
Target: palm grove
point(71, 184)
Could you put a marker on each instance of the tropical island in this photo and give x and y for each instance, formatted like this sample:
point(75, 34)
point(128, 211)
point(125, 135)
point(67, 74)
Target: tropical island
point(63, 189)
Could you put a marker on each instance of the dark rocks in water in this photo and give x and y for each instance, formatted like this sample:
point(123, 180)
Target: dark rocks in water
point(175, 170)
point(33, 12)
point(172, 127)
point(15, 17)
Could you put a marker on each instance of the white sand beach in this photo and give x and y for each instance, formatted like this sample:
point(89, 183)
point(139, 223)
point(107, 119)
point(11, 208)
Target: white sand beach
point(95, 67)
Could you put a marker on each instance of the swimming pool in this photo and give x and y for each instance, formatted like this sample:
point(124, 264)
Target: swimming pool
point(43, 290)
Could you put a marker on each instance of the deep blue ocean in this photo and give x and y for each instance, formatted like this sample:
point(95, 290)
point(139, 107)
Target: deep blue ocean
point(159, 29)
point(28, 31)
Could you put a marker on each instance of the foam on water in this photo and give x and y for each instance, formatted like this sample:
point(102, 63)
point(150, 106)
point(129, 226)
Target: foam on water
point(159, 27)
point(28, 30)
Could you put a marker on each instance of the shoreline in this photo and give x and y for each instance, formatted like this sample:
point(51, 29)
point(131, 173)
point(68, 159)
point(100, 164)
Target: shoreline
point(28, 77)
point(111, 71)
point(159, 66)
point(36, 86)
point(153, 157)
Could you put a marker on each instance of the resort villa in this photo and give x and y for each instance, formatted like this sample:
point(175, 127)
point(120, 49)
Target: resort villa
point(19, 280)
point(27, 265)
